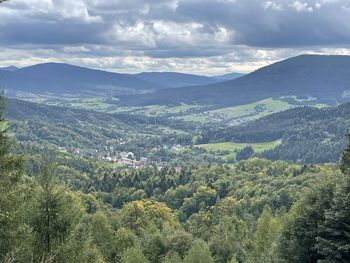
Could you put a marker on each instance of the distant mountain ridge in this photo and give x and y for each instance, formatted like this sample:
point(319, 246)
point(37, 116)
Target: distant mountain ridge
point(65, 78)
point(324, 77)
point(9, 68)
point(228, 76)
point(61, 78)
point(175, 80)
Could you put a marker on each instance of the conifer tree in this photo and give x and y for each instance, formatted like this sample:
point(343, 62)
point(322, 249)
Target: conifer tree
point(264, 238)
point(53, 214)
point(333, 242)
point(10, 172)
point(345, 161)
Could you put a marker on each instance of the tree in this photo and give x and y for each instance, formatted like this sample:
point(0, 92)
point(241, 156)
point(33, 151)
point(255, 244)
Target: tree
point(172, 258)
point(10, 173)
point(229, 240)
point(179, 242)
point(134, 255)
point(153, 244)
point(318, 226)
point(245, 153)
point(345, 161)
point(301, 226)
point(265, 236)
point(333, 240)
point(79, 247)
point(139, 215)
point(199, 253)
point(103, 234)
point(53, 213)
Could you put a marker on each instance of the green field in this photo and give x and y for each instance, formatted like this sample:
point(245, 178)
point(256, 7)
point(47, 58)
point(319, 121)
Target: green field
point(233, 147)
point(243, 112)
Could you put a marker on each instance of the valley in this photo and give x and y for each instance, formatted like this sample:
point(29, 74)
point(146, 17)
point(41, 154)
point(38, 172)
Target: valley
point(174, 131)
point(200, 166)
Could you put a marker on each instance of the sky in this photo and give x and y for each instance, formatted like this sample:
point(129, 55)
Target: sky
point(195, 36)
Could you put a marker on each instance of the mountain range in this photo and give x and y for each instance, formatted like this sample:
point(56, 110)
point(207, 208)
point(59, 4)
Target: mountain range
point(325, 77)
point(59, 78)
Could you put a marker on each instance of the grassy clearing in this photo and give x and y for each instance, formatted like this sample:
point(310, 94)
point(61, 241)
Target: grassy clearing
point(262, 108)
point(250, 111)
point(233, 147)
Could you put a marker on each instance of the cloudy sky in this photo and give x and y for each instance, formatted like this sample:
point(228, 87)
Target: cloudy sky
point(198, 36)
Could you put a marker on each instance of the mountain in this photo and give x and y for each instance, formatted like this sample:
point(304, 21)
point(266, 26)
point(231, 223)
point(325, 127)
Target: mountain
point(228, 76)
point(60, 78)
point(324, 77)
point(175, 80)
point(10, 68)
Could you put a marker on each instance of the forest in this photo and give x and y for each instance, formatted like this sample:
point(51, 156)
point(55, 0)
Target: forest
point(174, 131)
point(59, 208)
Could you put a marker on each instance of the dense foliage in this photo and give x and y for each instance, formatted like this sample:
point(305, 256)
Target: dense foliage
point(57, 207)
point(309, 135)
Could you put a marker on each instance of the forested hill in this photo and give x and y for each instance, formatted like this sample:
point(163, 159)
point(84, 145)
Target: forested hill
point(324, 77)
point(308, 134)
point(61, 78)
point(70, 128)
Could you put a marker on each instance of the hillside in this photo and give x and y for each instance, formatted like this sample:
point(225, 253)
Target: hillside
point(324, 77)
point(175, 80)
point(309, 135)
point(228, 76)
point(60, 78)
point(89, 130)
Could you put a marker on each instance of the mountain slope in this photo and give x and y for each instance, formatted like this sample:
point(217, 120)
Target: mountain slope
point(63, 78)
point(324, 77)
point(309, 135)
point(229, 76)
point(9, 68)
point(174, 79)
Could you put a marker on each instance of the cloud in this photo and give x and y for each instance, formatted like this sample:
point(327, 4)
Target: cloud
point(172, 31)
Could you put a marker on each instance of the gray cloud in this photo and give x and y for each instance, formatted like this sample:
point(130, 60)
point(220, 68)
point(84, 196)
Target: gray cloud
point(171, 31)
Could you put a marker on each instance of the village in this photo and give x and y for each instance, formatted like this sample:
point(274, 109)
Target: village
point(128, 159)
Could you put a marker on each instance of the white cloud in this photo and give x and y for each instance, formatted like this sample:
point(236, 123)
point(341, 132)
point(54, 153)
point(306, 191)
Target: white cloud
point(187, 35)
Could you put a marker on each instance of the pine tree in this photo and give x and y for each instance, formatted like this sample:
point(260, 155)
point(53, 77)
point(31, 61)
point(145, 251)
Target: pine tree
point(10, 172)
point(229, 239)
point(264, 238)
point(333, 241)
point(345, 161)
point(52, 215)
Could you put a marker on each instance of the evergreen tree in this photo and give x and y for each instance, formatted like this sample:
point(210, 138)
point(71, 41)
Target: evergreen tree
point(229, 240)
point(345, 161)
point(10, 172)
point(79, 247)
point(53, 214)
point(245, 153)
point(199, 253)
point(264, 238)
point(300, 229)
point(333, 241)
